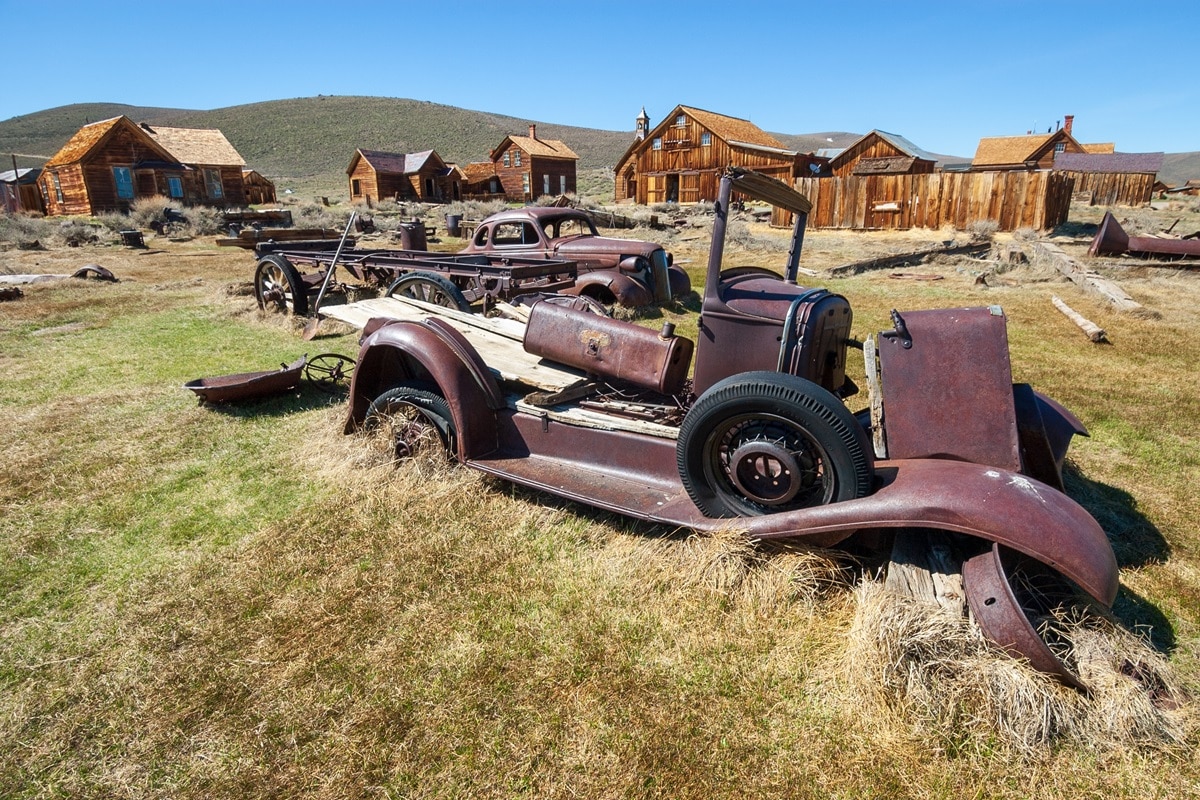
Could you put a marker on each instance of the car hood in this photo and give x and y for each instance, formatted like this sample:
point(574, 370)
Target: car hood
point(602, 245)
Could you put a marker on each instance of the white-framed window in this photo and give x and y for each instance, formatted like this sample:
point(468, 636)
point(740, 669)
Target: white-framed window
point(123, 176)
point(58, 195)
point(656, 143)
point(507, 159)
point(706, 139)
point(1060, 147)
point(681, 121)
point(562, 184)
point(546, 184)
point(525, 183)
point(516, 158)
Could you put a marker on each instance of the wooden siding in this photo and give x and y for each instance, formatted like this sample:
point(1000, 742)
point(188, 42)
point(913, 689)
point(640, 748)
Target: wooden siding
point(1014, 200)
point(1114, 188)
point(259, 189)
point(875, 147)
point(533, 168)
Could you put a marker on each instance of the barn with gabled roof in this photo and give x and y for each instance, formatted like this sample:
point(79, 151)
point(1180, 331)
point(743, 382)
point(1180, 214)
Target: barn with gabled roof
point(680, 160)
point(882, 153)
point(529, 166)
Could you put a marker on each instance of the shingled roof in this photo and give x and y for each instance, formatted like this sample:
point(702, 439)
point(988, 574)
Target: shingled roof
point(1148, 163)
point(196, 145)
point(395, 163)
point(731, 129)
point(87, 137)
point(543, 148)
point(997, 150)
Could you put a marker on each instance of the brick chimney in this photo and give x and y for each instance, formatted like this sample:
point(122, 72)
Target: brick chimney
point(1067, 120)
point(533, 131)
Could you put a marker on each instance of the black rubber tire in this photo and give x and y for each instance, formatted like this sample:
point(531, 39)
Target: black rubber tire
point(277, 285)
point(765, 442)
point(416, 417)
point(429, 287)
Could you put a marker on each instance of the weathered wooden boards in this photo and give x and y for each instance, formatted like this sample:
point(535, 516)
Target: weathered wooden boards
point(1086, 278)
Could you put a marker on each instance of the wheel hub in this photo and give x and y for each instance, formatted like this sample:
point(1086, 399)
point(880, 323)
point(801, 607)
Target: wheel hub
point(768, 472)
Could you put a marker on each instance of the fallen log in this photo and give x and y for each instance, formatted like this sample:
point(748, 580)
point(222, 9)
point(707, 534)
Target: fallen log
point(1089, 328)
point(909, 259)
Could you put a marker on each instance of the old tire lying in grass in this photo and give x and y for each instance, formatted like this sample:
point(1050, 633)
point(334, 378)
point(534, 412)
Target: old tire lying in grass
point(765, 442)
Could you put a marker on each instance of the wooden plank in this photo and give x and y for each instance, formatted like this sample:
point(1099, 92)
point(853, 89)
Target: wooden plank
point(498, 341)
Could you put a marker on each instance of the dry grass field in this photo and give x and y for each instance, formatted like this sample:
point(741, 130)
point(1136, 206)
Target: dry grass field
point(242, 602)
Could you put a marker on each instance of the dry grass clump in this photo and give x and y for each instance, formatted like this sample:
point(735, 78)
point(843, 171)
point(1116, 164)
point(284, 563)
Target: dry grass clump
point(932, 668)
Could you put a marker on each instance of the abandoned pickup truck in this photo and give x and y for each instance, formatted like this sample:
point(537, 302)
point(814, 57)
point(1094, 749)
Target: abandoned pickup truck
point(603, 412)
point(612, 271)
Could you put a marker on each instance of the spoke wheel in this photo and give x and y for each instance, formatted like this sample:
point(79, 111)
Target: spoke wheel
point(329, 371)
point(412, 420)
point(278, 286)
point(765, 442)
point(429, 287)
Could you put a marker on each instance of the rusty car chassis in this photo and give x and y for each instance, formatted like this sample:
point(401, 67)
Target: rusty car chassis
point(759, 437)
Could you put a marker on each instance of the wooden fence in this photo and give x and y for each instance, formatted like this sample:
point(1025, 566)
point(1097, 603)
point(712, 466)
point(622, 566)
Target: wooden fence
point(1014, 200)
point(1113, 188)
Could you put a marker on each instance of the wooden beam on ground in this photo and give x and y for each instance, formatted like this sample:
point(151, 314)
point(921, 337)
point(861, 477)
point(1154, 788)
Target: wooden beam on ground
point(1090, 329)
point(1086, 278)
point(909, 259)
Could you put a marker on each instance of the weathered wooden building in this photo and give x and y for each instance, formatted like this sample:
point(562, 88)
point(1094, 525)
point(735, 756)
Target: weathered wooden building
point(19, 191)
point(681, 159)
point(528, 167)
point(1112, 179)
point(882, 153)
point(480, 181)
point(259, 189)
point(108, 165)
point(1031, 151)
point(424, 177)
point(214, 167)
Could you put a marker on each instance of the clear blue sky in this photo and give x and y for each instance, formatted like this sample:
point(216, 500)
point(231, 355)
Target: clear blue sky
point(942, 74)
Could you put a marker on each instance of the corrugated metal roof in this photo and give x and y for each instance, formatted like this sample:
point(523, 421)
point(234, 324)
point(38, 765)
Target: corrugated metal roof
point(1108, 162)
point(905, 146)
point(761, 147)
point(24, 175)
point(196, 145)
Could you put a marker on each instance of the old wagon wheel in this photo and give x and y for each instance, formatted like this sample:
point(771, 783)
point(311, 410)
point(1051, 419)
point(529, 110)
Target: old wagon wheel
point(764, 442)
point(429, 287)
point(278, 286)
point(329, 371)
point(413, 419)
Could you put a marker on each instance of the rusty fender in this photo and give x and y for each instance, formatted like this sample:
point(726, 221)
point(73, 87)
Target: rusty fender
point(626, 290)
point(993, 504)
point(399, 351)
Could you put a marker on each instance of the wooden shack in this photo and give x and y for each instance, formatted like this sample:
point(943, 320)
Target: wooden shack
point(214, 167)
point(1108, 179)
point(480, 181)
point(681, 159)
point(882, 153)
point(528, 167)
point(19, 191)
point(422, 177)
point(259, 189)
point(105, 167)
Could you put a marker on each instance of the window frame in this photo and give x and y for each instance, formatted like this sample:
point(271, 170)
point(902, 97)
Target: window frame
point(123, 181)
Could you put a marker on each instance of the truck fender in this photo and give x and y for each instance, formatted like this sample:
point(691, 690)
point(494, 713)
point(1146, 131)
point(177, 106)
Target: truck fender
point(626, 290)
point(429, 350)
point(992, 504)
point(681, 284)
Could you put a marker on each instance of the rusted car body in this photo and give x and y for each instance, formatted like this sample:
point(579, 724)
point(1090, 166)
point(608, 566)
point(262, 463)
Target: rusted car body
point(612, 271)
point(759, 439)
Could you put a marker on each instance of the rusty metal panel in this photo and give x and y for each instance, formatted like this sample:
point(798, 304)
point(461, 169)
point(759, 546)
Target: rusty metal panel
point(611, 348)
point(947, 387)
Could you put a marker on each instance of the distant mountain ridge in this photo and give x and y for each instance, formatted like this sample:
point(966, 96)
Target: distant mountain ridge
point(315, 137)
